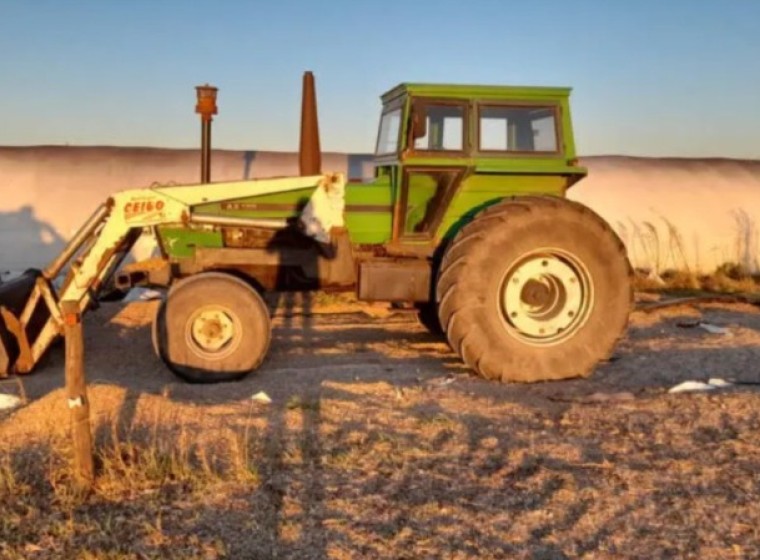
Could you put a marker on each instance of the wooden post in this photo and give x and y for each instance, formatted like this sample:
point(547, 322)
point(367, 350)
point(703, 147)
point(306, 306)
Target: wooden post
point(76, 394)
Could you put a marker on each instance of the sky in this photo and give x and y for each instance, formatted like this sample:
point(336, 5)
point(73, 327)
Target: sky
point(649, 77)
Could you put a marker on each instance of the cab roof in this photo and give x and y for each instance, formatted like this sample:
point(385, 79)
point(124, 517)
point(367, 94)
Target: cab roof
point(462, 91)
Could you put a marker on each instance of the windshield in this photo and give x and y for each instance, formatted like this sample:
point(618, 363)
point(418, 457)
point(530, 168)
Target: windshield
point(388, 136)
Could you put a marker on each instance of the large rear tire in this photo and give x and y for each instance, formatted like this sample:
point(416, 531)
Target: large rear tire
point(212, 327)
point(534, 289)
point(427, 317)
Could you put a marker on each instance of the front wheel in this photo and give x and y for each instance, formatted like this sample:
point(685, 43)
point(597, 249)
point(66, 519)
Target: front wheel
point(533, 289)
point(212, 327)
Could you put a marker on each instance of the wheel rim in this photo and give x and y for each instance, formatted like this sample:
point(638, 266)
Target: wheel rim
point(545, 296)
point(213, 332)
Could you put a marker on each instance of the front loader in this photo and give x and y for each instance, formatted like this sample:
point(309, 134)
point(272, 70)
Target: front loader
point(30, 304)
point(465, 218)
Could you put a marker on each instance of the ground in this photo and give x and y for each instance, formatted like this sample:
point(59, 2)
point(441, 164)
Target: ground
point(378, 443)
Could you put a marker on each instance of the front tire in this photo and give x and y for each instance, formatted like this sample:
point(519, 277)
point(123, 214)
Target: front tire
point(535, 289)
point(212, 327)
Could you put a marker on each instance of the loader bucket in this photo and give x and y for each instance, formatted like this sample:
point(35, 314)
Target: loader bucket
point(13, 298)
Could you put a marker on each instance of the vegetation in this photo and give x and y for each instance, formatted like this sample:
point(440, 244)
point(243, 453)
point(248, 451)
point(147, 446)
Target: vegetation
point(728, 278)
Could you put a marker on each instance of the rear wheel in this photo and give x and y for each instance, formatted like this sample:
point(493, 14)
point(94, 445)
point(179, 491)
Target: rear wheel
point(534, 289)
point(212, 327)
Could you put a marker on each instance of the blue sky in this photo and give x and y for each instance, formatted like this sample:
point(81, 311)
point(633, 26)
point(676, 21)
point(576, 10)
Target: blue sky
point(660, 78)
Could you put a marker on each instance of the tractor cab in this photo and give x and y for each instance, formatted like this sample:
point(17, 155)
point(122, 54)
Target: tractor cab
point(443, 150)
point(488, 123)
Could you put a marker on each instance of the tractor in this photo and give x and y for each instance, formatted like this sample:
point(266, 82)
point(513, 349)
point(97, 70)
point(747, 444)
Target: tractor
point(465, 219)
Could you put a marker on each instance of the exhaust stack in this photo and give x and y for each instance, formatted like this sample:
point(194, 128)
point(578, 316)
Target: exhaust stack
point(309, 153)
point(206, 108)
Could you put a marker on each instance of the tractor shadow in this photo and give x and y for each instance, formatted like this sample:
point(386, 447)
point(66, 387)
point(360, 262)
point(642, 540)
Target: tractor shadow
point(306, 350)
point(23, 234)
point(659, 351)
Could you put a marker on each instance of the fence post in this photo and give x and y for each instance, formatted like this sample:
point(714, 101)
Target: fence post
point(76, 394)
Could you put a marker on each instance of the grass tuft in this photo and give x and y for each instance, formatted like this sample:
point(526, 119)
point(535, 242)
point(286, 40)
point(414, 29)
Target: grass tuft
point(728, 278)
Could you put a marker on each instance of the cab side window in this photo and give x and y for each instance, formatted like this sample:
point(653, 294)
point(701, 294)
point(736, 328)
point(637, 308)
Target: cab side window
point(517, 129)
point(439, 127)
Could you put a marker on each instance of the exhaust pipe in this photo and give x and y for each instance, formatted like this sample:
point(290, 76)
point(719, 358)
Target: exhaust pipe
point(206, 108)
point(309, 153)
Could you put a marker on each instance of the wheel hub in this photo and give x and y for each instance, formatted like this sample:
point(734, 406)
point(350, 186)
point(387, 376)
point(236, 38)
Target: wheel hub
point(535, 293)
point(211, 329)
point(545, 296)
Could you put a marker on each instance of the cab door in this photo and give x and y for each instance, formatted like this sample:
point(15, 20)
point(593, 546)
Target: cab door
point(433, 167)
point(426, 193)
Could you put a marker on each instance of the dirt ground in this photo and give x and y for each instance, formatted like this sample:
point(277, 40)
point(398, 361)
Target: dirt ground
point(379, 444)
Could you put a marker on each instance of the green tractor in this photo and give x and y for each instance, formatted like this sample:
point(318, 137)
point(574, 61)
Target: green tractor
point(465, 218)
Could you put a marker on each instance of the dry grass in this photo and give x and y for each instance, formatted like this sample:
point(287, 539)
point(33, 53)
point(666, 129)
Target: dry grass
point(405, 462)
point(729, 278)
point(660, 252)
point(150, 476)
point(368, 471)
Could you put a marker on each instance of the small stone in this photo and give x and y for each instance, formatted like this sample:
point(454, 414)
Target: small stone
point(8, 402)
point(261, 397)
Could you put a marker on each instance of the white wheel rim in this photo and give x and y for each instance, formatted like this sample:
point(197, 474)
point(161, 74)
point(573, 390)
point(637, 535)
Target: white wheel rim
point(545, 297)
point(213, 332)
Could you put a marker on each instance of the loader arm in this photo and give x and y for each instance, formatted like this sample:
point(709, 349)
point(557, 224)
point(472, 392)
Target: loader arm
point(27, 328)
point(141, 208)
